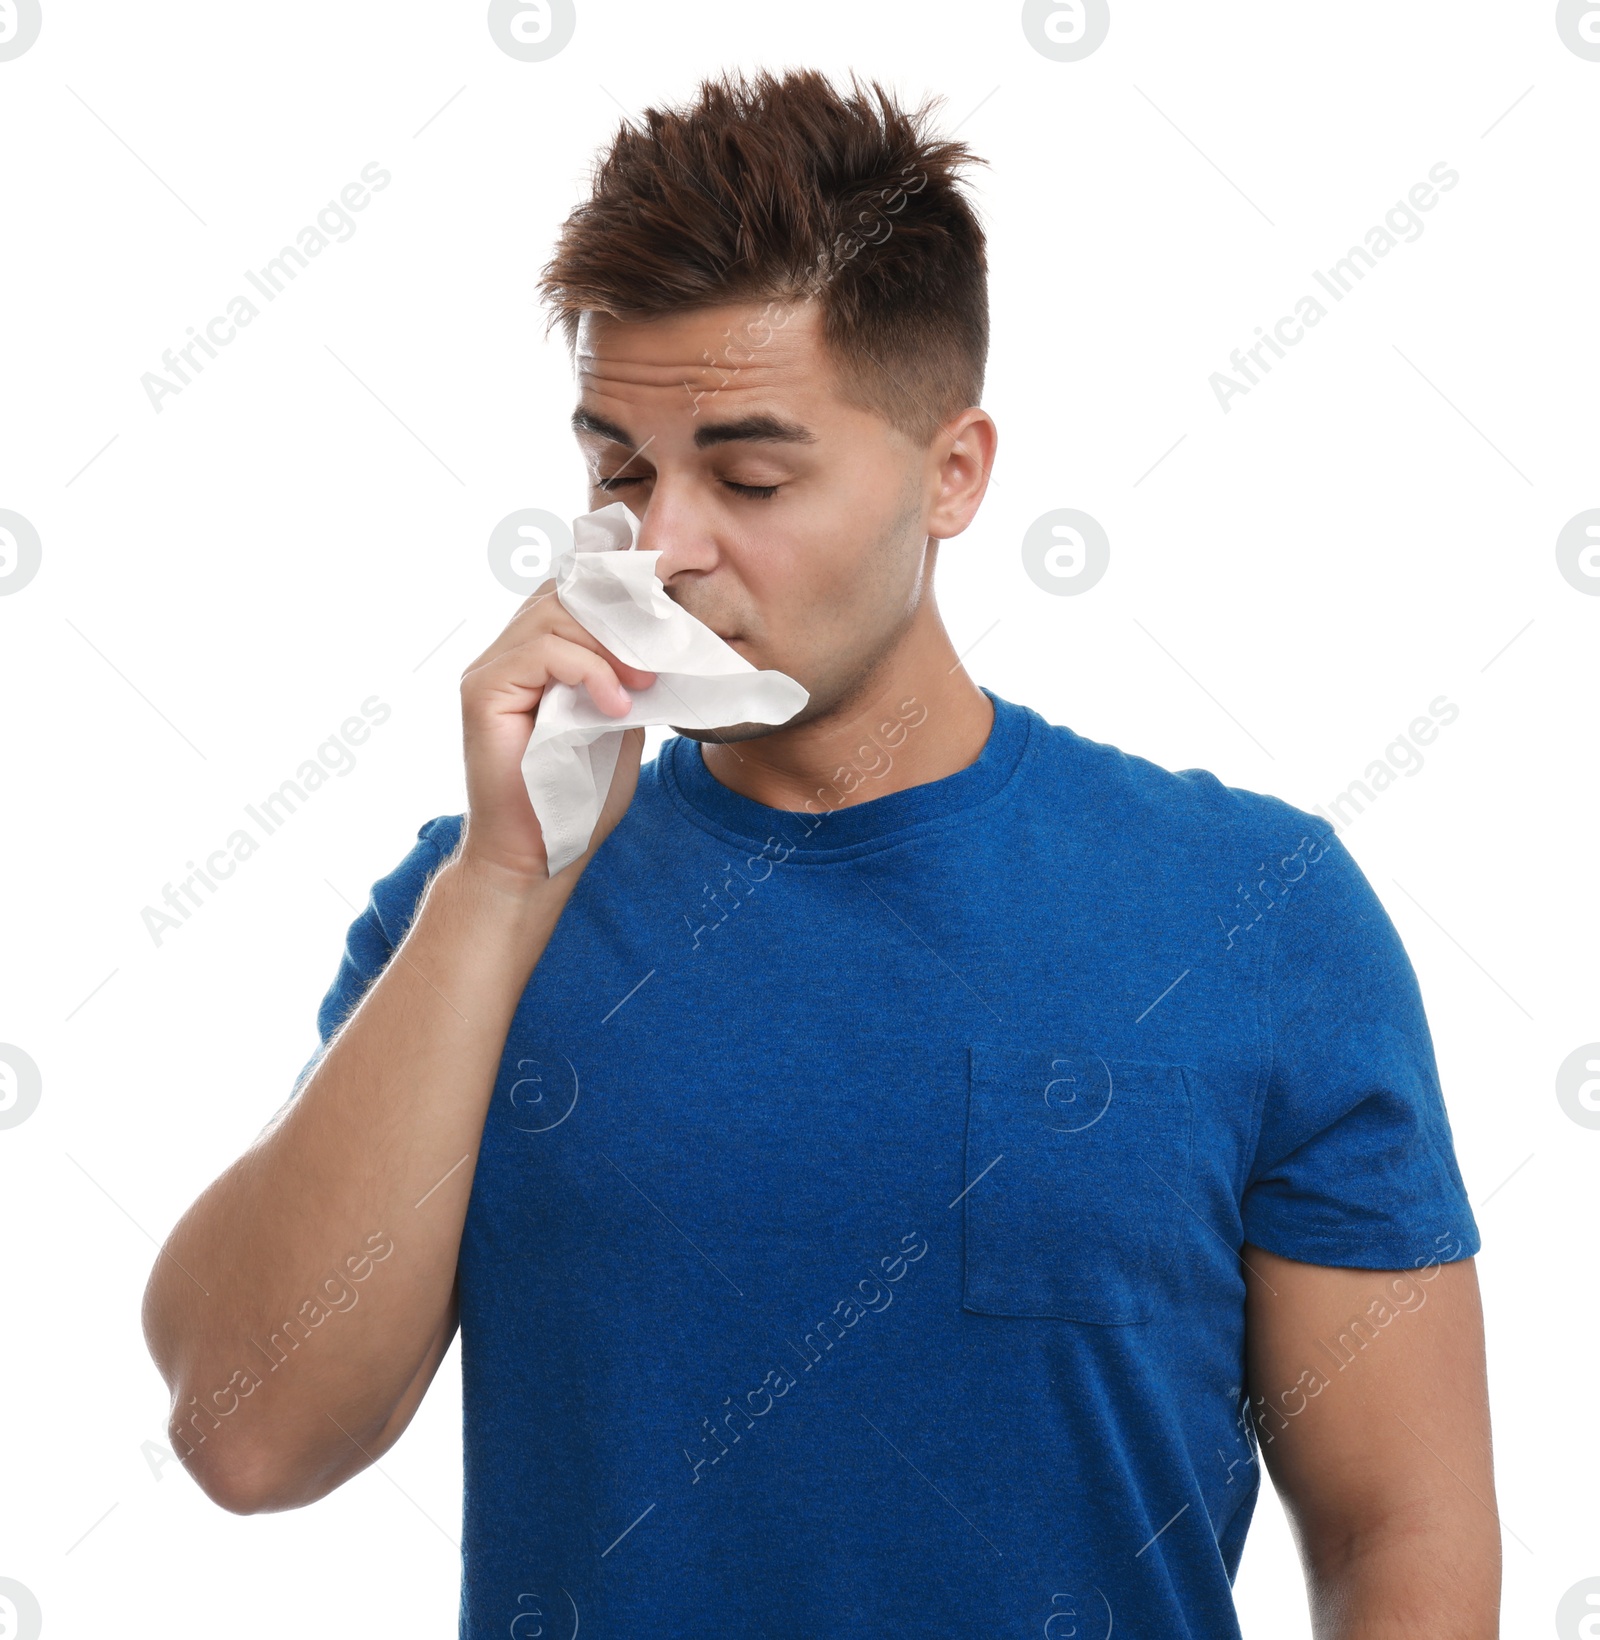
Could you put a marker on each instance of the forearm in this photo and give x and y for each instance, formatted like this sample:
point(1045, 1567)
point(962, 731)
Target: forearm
point(286, 1333)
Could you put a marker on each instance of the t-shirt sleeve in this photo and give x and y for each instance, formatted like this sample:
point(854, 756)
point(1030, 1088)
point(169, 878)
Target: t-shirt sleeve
point(380, 927)
point(1354, 1163)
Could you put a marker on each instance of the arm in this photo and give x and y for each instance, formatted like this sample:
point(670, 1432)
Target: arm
point(1368, 1389)
point(301, 1307)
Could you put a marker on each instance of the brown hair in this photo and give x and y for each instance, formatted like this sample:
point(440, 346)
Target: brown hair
point(782, 189)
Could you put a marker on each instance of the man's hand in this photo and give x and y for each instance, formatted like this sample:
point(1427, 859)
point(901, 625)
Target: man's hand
point(1368, 1390)
point(500, 692)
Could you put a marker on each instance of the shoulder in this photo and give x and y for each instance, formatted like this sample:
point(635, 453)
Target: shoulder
point(395, 896)
point(442, 833)
point(1148, 805)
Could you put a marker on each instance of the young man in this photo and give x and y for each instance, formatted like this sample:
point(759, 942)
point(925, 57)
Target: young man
point(907, 1172)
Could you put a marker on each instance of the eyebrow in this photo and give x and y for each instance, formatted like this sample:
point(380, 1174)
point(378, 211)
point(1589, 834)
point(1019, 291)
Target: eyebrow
point(753, 429)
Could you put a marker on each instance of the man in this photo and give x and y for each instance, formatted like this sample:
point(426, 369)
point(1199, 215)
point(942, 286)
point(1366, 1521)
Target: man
point(907, 1172)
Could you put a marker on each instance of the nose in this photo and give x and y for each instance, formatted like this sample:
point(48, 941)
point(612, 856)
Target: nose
point(677, 527)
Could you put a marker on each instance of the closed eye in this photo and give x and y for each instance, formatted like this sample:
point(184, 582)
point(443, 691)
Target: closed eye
point(758, 492)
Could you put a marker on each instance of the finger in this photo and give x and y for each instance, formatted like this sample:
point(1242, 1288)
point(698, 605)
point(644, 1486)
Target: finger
point(567, 627)
point(519, 677)
point(636, 677)
point(544, 612)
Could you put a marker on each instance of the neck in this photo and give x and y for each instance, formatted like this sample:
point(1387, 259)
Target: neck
point(917, 717)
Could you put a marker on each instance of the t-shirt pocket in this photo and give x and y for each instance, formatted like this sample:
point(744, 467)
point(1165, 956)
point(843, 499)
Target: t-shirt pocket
point(1074, 1182)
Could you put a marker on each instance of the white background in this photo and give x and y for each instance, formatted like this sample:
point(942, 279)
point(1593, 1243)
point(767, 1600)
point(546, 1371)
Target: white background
point(1373, 526)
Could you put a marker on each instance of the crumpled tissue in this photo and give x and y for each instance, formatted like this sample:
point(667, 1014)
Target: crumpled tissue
point(612, 591)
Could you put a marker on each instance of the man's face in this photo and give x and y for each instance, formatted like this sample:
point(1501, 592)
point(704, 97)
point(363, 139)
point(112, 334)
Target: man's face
point(791, 523)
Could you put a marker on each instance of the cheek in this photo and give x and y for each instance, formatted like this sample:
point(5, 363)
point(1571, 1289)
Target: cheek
point(831, 571)
point(784, 575)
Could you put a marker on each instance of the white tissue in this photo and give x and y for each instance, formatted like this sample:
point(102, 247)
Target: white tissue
point(612, 591)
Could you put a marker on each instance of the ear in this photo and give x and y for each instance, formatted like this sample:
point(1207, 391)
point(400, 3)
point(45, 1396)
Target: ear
point(961, 458)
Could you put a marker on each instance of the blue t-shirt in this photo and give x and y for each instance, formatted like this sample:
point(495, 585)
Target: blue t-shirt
point(854, 1243)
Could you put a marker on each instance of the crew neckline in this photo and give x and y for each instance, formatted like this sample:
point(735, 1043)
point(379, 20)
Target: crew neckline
point(877, 822)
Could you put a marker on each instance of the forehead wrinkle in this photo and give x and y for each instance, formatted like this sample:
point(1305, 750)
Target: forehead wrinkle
point(728, 376)
point(624, 373)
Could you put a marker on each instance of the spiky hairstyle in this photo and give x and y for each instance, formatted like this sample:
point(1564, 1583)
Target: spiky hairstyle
point(783, 188)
